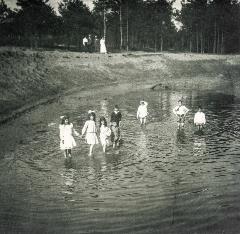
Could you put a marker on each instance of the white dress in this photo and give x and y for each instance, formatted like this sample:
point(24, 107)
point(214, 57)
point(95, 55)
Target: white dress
point(103, 49)
point(90, 129)
point(66, 136)
point(105, 132)
point(199, 118)
point(142, 111)
point(180, 110)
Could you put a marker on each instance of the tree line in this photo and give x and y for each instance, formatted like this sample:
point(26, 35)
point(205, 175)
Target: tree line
point(208, 26)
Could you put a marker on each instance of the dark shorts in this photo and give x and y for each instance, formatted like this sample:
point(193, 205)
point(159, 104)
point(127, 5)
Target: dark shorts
point(181, 119)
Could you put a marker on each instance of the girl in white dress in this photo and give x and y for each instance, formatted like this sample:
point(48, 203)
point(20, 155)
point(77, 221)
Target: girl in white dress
point(142, 112)
point(103, 49)
point(105, 132)
point(91, 132)
point(199, 119)
point(67, 141)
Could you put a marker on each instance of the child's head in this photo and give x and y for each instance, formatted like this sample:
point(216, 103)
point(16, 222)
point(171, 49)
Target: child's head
point(179, 102)
point(199, 108)
point(116, 108)
point(91, 116)
point(103, 121)
point(114, 124)
point(66, 120)
point(142, 103)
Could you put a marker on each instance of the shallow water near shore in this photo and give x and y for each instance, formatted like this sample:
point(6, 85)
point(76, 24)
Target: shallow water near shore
point(160, 180)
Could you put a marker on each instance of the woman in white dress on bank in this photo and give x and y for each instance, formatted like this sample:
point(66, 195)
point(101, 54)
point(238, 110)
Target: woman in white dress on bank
point(67, 141)
point(105, 133)
point(91, 132)
point(142, 112)
point(103, 49)
point(199, 119)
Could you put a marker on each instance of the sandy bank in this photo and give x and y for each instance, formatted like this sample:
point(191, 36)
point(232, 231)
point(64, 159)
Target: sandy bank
point(30, 78)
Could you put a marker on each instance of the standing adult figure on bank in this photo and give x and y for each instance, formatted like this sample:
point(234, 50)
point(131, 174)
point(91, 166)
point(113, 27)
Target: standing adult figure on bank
point(180, 111)
point(89, 44)
point(96, 44)
point(85, 44)
point(103, 49)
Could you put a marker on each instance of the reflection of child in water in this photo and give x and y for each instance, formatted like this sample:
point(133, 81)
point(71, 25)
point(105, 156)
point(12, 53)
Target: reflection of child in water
point(67, 141)
point(115, 134)
point(199, 119)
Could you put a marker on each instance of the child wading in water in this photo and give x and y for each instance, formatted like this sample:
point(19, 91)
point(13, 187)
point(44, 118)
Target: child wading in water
point(199, 119)
point(116, 118)
point(142, 112)
point(67, 141)
point(105, 132)
point(180, 111)
point(91, 132)
point(115, 134)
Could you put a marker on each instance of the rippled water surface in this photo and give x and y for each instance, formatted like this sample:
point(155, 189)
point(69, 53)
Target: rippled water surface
point(160, 180)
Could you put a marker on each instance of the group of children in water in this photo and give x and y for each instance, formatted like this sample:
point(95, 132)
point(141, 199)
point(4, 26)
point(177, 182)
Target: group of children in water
point(90, 131)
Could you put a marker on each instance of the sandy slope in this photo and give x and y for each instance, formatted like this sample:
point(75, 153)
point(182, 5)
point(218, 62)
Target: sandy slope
point(32, 77)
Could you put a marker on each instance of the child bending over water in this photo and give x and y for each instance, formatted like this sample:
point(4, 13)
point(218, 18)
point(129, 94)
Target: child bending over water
point(67, 141)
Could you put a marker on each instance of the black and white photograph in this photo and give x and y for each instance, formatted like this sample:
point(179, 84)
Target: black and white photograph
point(119, 116)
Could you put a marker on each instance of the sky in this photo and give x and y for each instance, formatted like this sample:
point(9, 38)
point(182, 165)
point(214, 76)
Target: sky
point(54, 3)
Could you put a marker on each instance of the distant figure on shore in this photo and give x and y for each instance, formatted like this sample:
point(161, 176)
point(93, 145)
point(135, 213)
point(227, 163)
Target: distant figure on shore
point(180, 111)
point(103, 49)
point(96, 44)
point(67, 141)
point(85, 44)
point(91, 132)
point(199, 119)
point(105, 133)
point(142, 112)
point(116, 118)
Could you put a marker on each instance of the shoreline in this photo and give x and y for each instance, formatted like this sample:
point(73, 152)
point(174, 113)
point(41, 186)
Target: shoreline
point(43, 77)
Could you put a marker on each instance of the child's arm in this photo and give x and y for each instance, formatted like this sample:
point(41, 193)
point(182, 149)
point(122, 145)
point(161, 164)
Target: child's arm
point(84, 128)
point(138, 113)
point(75, 132)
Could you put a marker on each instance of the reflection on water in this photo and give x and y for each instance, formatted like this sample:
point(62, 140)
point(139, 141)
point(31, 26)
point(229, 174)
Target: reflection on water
point(161, 180)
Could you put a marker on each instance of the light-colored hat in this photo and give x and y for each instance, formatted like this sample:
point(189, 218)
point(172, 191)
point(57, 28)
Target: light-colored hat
point(62, 117)
point(91, 111)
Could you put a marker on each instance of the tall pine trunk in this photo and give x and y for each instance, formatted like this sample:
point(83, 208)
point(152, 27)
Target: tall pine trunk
point(215, 37)
point(127, 27)
point(222, 43)
point(197, 41)
point(121, 28)
point(104, 23)
point(218, 41)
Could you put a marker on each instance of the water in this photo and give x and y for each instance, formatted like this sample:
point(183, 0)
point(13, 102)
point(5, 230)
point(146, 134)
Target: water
point(160, 180)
